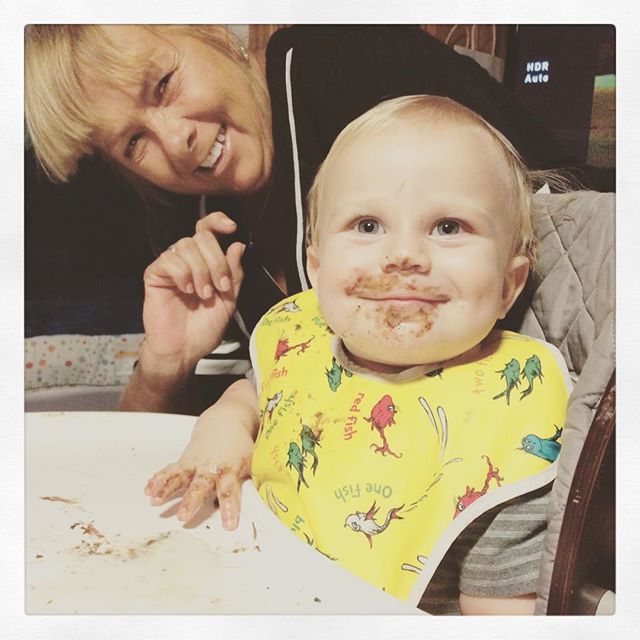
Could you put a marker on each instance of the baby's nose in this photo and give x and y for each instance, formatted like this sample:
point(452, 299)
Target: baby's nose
point(408, 253)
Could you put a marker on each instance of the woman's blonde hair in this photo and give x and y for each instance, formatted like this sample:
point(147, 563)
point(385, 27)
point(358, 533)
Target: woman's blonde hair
point(61, 120)
point(425, 107)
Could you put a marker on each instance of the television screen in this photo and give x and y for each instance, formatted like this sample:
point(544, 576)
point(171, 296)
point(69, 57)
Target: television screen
point(566, 75)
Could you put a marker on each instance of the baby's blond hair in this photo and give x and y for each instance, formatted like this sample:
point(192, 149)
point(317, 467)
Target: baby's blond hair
point(61, 120)
point(425, 107)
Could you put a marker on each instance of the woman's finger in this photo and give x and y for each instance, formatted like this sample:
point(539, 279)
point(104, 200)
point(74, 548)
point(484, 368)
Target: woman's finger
point(190, 252)
point(202, 487)
point(216, 222)
point(234, 260)
point(216, 261)
point(170, 270)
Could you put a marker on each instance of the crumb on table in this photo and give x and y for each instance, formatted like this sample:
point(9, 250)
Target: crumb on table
point(59, 499)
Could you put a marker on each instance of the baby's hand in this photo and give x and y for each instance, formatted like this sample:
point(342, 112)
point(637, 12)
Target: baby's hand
point(214, 464)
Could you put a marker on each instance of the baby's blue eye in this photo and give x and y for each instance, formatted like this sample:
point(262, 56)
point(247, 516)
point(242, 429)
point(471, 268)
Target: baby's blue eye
point(448, 227)
point(369, 226)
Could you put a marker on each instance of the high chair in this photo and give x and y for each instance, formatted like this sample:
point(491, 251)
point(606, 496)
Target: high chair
point(571, 304)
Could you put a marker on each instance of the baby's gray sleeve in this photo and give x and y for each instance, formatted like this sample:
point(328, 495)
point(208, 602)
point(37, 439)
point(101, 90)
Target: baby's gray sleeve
point(503, 556)
point(497, 555)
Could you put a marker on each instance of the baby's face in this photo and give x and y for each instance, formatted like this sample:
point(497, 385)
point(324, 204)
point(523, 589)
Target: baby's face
point(413, 261)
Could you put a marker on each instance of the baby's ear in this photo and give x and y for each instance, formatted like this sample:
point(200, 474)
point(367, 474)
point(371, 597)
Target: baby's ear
point(515, 278)
point(313, 264)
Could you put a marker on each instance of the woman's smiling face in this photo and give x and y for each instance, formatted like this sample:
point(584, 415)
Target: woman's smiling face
point(414, 261)
point(190, 124)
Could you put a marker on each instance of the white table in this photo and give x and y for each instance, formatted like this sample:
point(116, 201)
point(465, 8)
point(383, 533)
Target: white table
point(94, 545)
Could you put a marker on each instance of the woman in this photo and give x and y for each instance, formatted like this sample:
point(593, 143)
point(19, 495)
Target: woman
point(187, 110)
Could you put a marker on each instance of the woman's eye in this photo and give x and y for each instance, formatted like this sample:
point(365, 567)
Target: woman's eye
point(448, 228)
point(369, 226)
point(161, 87)
point(131, 146)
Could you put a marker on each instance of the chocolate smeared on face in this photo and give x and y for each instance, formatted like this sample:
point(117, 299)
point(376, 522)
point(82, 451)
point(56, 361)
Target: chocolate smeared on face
point(399, 307)
point(364, 284)
point(394, 315)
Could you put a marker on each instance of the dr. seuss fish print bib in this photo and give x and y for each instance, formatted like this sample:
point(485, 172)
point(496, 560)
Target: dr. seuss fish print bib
point(381, 475)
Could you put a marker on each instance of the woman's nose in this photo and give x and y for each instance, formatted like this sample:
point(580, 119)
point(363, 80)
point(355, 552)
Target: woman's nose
point(409, 252)
point(178, 137)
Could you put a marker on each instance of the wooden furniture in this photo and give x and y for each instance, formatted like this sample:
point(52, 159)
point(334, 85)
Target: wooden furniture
point(487, 38)
point(584, 569)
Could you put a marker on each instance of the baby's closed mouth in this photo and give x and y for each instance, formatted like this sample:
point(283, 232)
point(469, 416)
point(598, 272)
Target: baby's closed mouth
point(430, 297)
point(395, 289)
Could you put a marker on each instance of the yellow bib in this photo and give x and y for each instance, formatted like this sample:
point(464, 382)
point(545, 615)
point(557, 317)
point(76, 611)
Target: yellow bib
point(382, 474)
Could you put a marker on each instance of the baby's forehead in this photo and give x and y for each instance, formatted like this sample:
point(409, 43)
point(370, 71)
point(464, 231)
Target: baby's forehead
point(419, 130)
point(441, 161)
point(436, 145)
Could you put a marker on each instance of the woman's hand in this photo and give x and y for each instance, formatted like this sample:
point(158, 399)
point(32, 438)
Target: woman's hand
point(191, 292)
point(216, 460)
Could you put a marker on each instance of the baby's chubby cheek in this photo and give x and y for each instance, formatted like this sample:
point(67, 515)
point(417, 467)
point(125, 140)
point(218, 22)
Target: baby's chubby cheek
point(345, 316)
point(341, 310)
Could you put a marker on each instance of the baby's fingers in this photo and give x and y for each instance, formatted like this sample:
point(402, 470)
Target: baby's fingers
point(158, 479)
point(168, 482)
point(201, 488)
point(228, 490)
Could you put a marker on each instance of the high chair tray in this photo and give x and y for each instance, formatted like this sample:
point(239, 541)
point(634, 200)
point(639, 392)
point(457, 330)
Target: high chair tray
point(94, 545)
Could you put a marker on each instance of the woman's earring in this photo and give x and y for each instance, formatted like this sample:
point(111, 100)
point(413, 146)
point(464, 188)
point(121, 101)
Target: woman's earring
point(245, 53)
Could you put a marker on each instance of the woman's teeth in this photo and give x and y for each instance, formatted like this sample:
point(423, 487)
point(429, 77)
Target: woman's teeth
point(216, 150)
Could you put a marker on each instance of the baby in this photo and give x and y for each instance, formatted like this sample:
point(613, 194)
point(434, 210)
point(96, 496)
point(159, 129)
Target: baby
point(390, 412)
